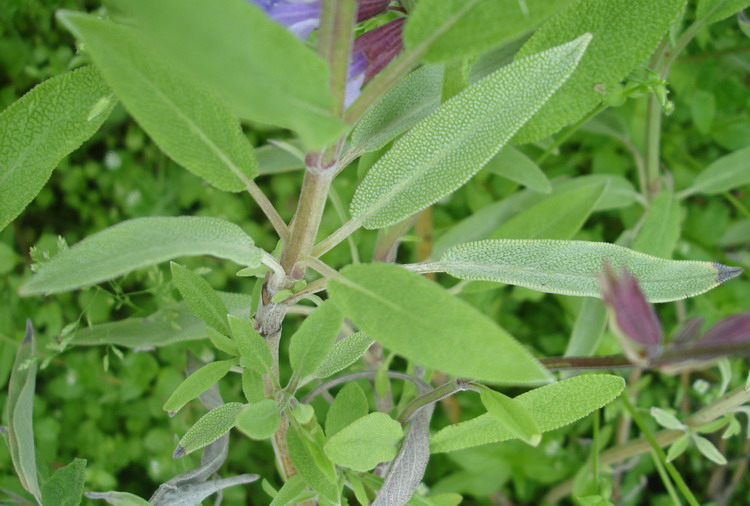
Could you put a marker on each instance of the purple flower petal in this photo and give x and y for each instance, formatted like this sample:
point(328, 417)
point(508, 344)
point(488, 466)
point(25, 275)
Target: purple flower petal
point(733, 329)
point(371, 8)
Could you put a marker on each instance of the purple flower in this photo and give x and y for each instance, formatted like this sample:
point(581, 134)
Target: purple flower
point(634, 317)
point(734, 329)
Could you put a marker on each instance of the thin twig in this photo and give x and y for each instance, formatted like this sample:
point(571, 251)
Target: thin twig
point(268, 209)
point(357, 376)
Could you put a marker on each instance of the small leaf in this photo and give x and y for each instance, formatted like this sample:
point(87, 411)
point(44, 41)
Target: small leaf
point(43, 127)
point(666, 419)
point(572, 267)
point(195, 493)
point(208, 428)
point(222, 342)
point(310, 345)
point(452, 144)
point(512, 164)
point(678, 447)
point(201, 298)
point(349, 405)
point(708, 450)
point(259, 420)
point(252, 386)
point(19, 414)
point(305, 463)
point(137, 243)
point(512, 415)
point(197, 383)
point(588, 329)
point(65, 486)
point(552, 406)
point(118, 498)
point(343, 354)
point(729, 171)
point(289, 491)
point(190, 123)
point(409, 101)
point(365, 443)
point(252, 347)
point(418, 319)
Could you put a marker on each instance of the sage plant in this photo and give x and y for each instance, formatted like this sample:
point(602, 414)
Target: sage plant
point(414, 97)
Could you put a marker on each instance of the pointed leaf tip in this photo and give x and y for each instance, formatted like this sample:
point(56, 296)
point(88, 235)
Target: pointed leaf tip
point(29, 332)
point(178, 452)
point(726, 272)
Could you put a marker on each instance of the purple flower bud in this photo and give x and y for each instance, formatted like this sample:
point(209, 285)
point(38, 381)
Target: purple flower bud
point(634, 316)
point(688, 331)
point(733, 329)
point(370, 8)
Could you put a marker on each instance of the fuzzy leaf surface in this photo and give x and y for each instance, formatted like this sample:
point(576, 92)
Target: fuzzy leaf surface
point(209, 428)
point(197, 383)
point(65, 486)
point(309, 346)
point(343, 354)
point(366, 442)
point(201, 298)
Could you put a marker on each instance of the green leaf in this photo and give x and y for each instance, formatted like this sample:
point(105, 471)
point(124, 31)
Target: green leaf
point(552, 406)
point(512, 415)
point(139, 243)
point(343, 354)
point(43, 127)
point(252, 347)
point(625, 33)
point(305, 463)
point(349, 405)
point(678, 447)
point(264, 71)
point(409, 101)
point(19, 413)
point(419, 320)
point(454, 29)
point(729, 171)
point(572, 267)
point(222, 342)
point(289, 491)
point(65, 486)
point(252, 386)
point(708, 450)
point(453, 143)
point(666, 419)
point(201, 298)
point(721, 8)
point(558, 217)
point(259, 420)
point(208, 428)
point(365, 443)
point(660, 231)
point(310, 345)
point(197, 383)
point(512, 164)
point(703, 110)
point(190, 123)
point(588, 329)
point(118, 498)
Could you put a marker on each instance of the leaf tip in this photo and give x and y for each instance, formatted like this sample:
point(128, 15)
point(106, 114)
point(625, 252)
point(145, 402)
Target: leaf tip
point(178, 452)
point(29, 337)
point(726, 272)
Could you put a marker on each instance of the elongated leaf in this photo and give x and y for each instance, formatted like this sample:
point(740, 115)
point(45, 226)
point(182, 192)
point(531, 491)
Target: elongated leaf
point(188, 122)
point(445, 149)
point(588, 329)
point(366, 442)
point(197, 383)
point(259, 420)
point(625, 33)
point(572, 267)
point(252, 347)
point(264, 71)
point(289, 491)
point(273, 159)
point(343, 354)
point(408, 102)
point(118, 498)
point(41, 128)
point(305, 463)
point(309, 346)
point(19, 414)
point(558, 217)
point(195, 493)
point(65, 486)
point(721, 8)
point(552, 406)
point(729, 171)
point(512, 164)
point(512, 415)
point(349, 405)
point(418, 319)
point(660, 231)
point(208, 428)
point(454, 29)
point(139, 243)
point(201, 298)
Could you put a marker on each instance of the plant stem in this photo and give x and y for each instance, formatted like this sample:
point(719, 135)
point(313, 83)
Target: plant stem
point(335, 238)
point(268, 209)
point(357, 376)
point(433, 396)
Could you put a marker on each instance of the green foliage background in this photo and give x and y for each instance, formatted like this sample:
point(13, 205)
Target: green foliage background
point(104, 404)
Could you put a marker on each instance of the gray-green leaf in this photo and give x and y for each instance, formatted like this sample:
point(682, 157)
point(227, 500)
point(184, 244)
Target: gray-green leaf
point(453, 143)
point(65, 486)
point(208, 428)
point(625, 33)
point(310, 345)
point(41, 128)
point(572, 267)
point(197, 383)
point(418, 319)
point(139, 243)
point(118, 498)
point(552, 406)
point(189, 122)
point(661, 229)
point(349, 405)
point(259, 420)
point(343, 354)
point(512, 415)
point(252, 347)
point(366, 442)
point(729, 171)
point(201, 298)
point(305, 463)
point(512, 164)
